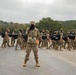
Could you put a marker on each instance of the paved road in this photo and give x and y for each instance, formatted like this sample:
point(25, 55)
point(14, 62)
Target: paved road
point(11, 62)
point(52, 63)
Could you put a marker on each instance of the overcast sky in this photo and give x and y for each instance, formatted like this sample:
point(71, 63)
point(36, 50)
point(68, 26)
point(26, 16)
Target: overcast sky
point(23, 11)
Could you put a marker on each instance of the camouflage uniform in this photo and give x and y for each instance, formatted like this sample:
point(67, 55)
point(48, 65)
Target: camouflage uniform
point(65, 41)
point(24, 40)
point(12, 39)
point(52, 41)
point(48, 39)
point(19, 40)
point(57, 40)
point(75, 43)
point(44, 39)
point(61, 38)
point(5, 40)
point(32, 45)
point(14, 33)
point(40, 40)
point(72, 40)
point(24, 44)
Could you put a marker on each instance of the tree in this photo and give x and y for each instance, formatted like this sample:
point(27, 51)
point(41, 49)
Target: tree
point(48, 24)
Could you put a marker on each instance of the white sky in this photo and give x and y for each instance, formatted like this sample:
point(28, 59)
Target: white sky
point(24, 11)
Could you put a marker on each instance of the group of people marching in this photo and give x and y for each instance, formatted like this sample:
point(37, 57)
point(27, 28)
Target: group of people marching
point(20, 36)
point(32, 39)
point(56, 40)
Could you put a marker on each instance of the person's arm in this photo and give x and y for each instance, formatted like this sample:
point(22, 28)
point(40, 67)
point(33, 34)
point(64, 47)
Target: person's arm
point(38, 34)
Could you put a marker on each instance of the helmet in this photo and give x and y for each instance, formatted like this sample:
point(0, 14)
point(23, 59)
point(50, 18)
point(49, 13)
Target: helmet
point(61, 29)
point(32, 22)
point(7, 29)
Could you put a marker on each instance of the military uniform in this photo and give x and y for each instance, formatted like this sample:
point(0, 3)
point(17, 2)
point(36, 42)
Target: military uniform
point(19, 40)
point(44, 39)
point(75, 43)
point(12, 39)
point(24, 44)
point(56, 38)
point(24, 40)
point(72, 40)
point(40, 41)
point(52, 40)
point(61, 38)
point(48, 39)
point(5, 40)
point(65, 40)
point(32, 45)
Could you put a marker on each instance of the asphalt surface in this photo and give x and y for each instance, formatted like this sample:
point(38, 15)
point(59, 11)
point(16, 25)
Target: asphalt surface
point(11, 62)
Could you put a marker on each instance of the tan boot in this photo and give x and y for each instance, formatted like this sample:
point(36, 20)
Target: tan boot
point(25, 61)
point(24, 65)
point(37, 65)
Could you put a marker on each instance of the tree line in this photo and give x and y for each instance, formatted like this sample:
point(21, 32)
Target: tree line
point(45, 23)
